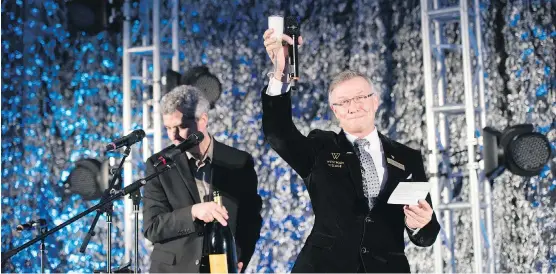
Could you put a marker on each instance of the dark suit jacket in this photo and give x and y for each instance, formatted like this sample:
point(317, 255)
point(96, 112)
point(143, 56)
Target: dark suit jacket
point(346, 236)
point(168, 198)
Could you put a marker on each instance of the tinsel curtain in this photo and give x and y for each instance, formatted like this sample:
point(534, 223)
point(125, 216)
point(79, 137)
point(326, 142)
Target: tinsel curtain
point(62, 101)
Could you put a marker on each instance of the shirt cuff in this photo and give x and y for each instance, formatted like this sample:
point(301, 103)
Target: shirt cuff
point(276, 87)
point(413, 230)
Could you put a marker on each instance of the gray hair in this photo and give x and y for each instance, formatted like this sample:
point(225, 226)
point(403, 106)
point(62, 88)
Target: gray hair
point(189, 100)
point(348, 75)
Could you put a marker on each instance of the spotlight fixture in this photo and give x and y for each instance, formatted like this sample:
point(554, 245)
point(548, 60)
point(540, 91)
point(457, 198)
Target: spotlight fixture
point(94, 16)
point(199, 77)
point(553, 166)
point(172, 79)
point(88, 179)
point(518, 149)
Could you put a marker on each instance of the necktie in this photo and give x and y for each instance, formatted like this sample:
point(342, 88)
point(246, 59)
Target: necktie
point(371, 183)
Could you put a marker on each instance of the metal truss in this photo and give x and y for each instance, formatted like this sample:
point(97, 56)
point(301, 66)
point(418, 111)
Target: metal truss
point(434, 19)
point(145, 56)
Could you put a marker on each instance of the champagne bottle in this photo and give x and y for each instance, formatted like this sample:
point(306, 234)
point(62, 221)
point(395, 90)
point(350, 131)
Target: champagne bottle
point(222, 245)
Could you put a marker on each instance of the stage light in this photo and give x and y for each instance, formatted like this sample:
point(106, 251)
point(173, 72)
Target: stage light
point(172, 79)
point(553, 167)
point(88, 179)
point(199, 77)
point(94, 16)
point(208, 83)
point(518, 149)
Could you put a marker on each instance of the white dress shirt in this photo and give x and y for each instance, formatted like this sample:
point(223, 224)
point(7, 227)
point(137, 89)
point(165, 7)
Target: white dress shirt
point(276, 87)
point(377, 153)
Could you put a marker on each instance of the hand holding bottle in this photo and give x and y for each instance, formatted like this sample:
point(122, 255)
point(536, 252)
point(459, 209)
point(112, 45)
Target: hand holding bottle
point(209, 211)
point(222, 254)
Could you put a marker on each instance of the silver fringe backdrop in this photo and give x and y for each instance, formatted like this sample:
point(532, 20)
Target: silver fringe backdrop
point(61, 102)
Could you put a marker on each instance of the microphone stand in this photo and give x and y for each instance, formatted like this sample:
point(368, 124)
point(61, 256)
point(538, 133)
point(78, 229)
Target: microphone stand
point(136, 197)
point(117, 194)
point(108, 208)
point(42, 230)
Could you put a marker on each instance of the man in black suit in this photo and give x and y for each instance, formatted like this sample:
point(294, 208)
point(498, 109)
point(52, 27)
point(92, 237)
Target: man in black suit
point(349, 177)
point(179, 202)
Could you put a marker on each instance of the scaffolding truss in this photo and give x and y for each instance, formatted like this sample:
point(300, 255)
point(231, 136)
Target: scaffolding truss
point(147, 49)
point(434, 19)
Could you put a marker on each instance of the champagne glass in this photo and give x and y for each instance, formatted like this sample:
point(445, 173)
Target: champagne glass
point(276, 22)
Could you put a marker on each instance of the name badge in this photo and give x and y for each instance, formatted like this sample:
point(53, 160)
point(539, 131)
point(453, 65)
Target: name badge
point(396, 164)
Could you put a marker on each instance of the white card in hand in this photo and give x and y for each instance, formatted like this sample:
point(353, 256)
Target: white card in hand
point(409, 193)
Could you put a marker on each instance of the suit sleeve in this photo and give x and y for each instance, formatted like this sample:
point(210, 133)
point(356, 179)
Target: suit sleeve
point(426, 235)
point(249, 215)
point(160, 221)
point(296, 149)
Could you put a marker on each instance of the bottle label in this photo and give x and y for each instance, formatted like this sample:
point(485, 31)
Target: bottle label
point(218, 263)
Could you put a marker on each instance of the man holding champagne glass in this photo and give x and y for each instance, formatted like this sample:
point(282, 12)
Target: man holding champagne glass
point(349, 175)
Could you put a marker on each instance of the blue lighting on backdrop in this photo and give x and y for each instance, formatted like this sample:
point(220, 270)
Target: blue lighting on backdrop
point(62, 102)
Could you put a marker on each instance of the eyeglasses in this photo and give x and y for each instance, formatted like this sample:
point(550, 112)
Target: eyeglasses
point(357, 100)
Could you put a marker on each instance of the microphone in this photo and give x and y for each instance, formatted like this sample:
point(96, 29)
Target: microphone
point(167, 154)
point(165, 157)
point(128, 140)
point(31, 224)
point(161, 159)
point(292, 30)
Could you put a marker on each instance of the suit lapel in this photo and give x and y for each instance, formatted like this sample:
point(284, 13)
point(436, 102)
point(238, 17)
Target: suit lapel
point(354, 166)
point(394, 173)
point(352, 162)
point(223, 178)
point(183, 169)
point(218, 164)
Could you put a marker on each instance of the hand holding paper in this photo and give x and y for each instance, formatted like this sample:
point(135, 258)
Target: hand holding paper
point(418, 216)
point(417, 210)
point(409, 193)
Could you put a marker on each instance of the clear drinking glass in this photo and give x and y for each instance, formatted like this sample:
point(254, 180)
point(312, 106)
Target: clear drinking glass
point(276, 22)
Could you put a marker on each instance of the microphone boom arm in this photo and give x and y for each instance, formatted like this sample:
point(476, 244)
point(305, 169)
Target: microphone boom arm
point(127, 190)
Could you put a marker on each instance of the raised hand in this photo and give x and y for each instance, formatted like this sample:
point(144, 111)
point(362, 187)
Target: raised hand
point(277, 52)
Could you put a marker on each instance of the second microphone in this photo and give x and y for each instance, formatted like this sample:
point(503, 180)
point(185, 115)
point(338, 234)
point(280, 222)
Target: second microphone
point(166, 155)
